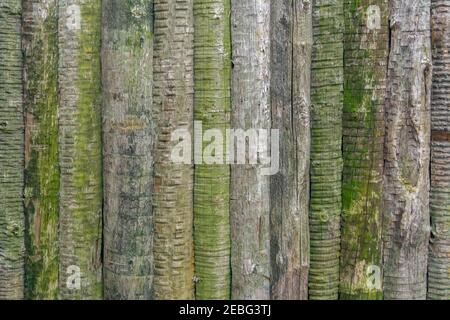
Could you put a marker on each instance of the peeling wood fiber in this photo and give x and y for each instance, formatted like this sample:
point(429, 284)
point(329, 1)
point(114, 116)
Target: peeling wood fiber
point(439, 256)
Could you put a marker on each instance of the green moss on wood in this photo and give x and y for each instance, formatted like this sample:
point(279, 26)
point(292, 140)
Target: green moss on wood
point(212, 70)
point(326, 148)
point(41, 152)
point(80, 148)
point(365, 58)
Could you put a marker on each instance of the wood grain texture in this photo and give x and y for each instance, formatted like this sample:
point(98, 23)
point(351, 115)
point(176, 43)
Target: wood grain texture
point(291, 36)
point(439, 256)
point(40, 45)
point(406, 220)
point(326, 148)
point(250, 190)
point(173, 185)
point(11, 152)
point(212, 70)
point(80, 152)
point(366, 41)
point(127, 77)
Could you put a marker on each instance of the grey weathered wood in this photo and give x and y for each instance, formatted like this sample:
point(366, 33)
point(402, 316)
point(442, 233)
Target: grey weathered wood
point(11, 152)
point(250, 190)
point(291, 36)
point(406, 224)
point(127, 73)
point(439, 256)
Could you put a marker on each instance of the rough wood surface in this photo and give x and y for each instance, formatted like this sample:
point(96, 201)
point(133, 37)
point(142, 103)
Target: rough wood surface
point(173, 184)
point(326, 148)
point(80, 151)
point(250, 190)
point(11, 152)
point(291, 36)
point(439, 257)
point(212, 64)
point(40, 45)
point(127, 73)
point(366, 41)
point(406, 220)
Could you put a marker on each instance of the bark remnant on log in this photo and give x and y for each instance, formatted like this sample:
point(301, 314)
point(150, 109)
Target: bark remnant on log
point(40, 46)
point(439, 256)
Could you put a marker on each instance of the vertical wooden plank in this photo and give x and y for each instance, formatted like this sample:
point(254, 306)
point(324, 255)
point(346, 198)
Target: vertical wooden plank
point(212, 65)
point(291, 36)
point(127, 77)
point(406, 219)
point(249, 188)
point(439, 257)
point(80, 151)
point(40, 45)
point(366, 42)
point(326, 148)
point(11, 152)
point(173, 185)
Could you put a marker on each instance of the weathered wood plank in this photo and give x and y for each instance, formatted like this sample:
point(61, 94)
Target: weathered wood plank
point(173, 185)
point(40, 45)
point(11, 152)
point(366, 42)
point(439, 257)
point(291, 36)
point(212, 64)
point(80, 150)
point(326, 148)
point(127, 73)
point(406, 219)
point(250, 190)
